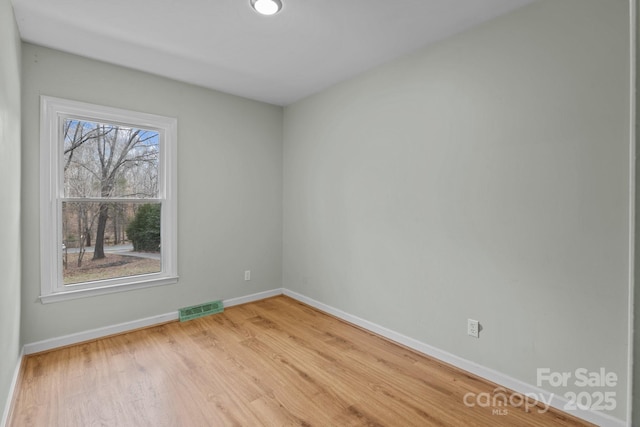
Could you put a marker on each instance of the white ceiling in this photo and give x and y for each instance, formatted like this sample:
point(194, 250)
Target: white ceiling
point(225, 45)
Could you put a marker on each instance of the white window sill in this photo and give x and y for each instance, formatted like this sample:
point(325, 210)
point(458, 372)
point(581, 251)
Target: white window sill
point(107, 289)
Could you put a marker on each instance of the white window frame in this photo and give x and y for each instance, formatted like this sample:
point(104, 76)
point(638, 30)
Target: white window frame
point(53, 111)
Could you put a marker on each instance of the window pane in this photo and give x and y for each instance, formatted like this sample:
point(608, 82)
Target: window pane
point(108, 160)
point(109, 240)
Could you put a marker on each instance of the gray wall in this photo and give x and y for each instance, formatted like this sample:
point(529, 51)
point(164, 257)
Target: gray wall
point(229, 181)
point(9, 199)
point(635, 403)
point(484, 177)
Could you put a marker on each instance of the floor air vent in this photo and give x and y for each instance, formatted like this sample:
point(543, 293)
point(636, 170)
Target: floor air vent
point(200, 310)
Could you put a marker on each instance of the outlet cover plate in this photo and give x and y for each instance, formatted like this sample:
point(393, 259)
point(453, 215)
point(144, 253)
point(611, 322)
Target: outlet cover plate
point(473, 328)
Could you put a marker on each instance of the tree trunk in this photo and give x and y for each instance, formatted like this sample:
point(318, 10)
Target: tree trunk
point(116, 214)
point(87, 227)
point(82, 218)
point(98, 252)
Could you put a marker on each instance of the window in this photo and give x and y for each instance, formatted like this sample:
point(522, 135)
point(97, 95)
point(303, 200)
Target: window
point(108, 199)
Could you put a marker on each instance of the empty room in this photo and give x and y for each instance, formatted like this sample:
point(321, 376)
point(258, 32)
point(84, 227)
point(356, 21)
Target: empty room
point(318, 213)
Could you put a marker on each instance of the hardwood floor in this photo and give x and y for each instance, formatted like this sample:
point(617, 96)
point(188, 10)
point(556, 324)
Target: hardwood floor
point(273, 362)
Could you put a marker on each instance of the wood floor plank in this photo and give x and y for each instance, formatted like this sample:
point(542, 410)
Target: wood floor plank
point(274, 362)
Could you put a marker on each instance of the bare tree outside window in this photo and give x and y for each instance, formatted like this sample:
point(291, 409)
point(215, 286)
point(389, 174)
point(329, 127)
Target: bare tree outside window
point(109, 172)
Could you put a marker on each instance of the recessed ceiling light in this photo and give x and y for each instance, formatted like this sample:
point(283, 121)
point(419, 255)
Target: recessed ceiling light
point(266, 7)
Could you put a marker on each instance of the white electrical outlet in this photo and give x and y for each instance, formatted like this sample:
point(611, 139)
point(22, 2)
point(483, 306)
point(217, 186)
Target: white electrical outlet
point(247, 275)
point(473, 328)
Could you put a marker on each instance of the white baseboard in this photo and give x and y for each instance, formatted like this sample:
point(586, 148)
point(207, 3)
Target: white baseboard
point(599, 418)
point(93, 334)
point(253, 297)
point(12, 390)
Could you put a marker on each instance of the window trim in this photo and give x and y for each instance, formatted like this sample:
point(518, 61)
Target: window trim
point(52, 113)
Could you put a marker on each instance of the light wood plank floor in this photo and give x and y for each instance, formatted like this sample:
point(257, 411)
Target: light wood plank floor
point(273, 362)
